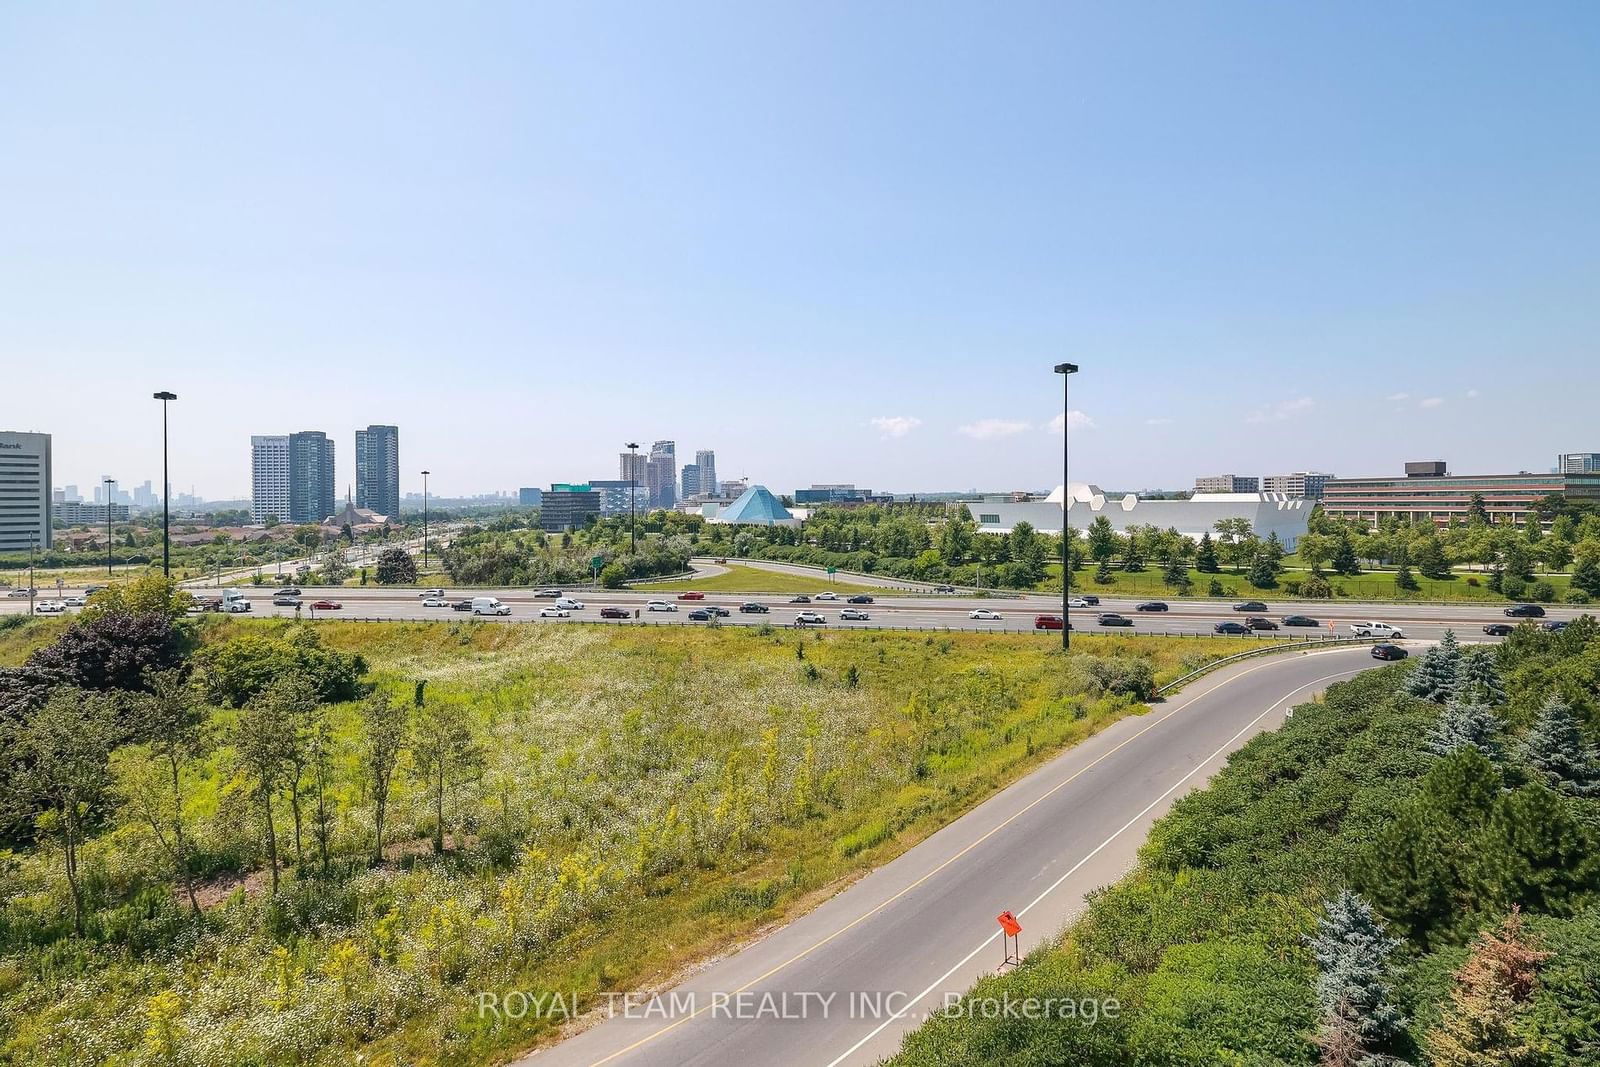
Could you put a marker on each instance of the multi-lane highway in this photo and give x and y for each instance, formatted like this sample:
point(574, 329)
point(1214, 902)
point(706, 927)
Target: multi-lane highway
point(843, 983)
point(890, 609)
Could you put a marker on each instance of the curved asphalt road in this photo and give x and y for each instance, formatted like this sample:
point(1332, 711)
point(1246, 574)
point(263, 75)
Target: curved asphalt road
point(888, 948)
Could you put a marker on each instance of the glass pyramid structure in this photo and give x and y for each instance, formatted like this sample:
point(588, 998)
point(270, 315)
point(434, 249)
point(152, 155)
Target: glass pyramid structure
point(756, 506)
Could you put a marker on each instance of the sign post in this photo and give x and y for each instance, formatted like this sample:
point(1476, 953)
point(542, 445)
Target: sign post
point(1009, 940)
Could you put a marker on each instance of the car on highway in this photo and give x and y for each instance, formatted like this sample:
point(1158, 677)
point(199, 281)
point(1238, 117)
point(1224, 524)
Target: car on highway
point(439, 602)
point(693, 594)
point(809, 618)
point(1524, 611)
point(854, 615)
point(1499, 629)
point(283, 600)
point(288, 590)
point(1048, 622)
point(550, 611)
point(548, 594)
point(88, 589)
point(75, 601)
point(461, 605)
point(614, 613)
point(827, 594)
point(15, 593)
point(1300, 620)
point(719, 611)
point(1111, 618)
point(1236, 629)
point(984, 614)
point(1554, 626)
point(801, 599)
point(661, 605)
point(699, 615)
point(1250, 605)
point(1374, 629)
point(1258, 622)
point(1388, 651)
point(490, 605)
point(753, 608)
point(1083, 602)
point(326, 605)
point(1153, 605)
point(569, 603)
point(431, 593)
point(49, 607)
point(861, 598)
point(944, 589)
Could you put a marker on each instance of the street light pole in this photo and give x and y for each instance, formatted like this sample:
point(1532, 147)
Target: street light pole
point(33, 546)
point(1066, 370)
point(633, 491)
point(166, 490)
point(108, 483)
point(425, 520)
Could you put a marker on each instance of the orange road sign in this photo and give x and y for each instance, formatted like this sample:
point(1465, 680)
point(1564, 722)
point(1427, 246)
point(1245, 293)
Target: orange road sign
point(1008, 923)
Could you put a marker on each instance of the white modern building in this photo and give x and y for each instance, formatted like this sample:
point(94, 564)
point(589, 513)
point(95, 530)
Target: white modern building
point(269, 477)
point(1269, 513)
point(25, 499)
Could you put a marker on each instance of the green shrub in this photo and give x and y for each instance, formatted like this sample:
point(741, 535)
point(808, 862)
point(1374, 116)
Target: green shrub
point(873, 833)
point(1543, 592)
point(1576, 596)
point(237, 670)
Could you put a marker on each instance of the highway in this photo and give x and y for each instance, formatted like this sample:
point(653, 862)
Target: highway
point(891, 610)
point(871, 962)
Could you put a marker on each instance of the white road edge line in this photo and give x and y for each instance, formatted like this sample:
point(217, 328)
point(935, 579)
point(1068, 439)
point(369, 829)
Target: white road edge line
point(1075, 867)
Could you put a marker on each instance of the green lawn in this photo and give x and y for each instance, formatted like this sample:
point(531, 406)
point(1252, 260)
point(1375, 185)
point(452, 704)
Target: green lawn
point(740, 579)
point(1370, 585)
point(646, 797)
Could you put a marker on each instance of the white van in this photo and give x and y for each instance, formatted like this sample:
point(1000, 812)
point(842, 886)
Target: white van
point(489, 605)
point(569, 603)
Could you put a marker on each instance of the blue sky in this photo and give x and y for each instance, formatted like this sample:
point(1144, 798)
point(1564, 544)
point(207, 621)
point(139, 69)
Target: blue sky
point(833, 241)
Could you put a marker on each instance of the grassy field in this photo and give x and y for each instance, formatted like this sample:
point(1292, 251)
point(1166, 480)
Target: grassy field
point(644, 798)
point(1370, 585)
point(740, 579)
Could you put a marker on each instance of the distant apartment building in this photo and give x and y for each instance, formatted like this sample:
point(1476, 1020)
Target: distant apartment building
point(1307, 484)
point(633, 467)
point(661, 478)
point(25, 499)
point(690, 480)
point(269, 477)
point(530, 497)
point(733, 488)
point(291, 477)
point(706, 460)
point(378, 469)
point(568, 507)
point(1227, 483)
point(78, 513)
point(1578, 462)
point(1429, 493)
point(145, 496)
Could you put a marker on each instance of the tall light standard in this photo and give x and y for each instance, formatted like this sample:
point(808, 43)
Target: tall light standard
point(109, 482)
point(1066, 370)
point(425, 520)
point(166, 490)
point(33, 547)
point(633, 491)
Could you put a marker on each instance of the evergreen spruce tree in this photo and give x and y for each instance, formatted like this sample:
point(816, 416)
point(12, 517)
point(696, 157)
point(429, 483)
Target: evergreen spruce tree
point(1462, 726)
point(1263, 575)
point(1344, 556)
point(1482, 1024)
point(1176, 574)
point(1403, 578)
point(1438, 673)
point(1102, 573)
point(1480, 680)
point(1205, 555)
point(1555, 749)
point(1352, 951)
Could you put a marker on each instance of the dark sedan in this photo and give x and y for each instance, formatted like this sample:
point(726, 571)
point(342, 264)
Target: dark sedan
point(1300, 620)
point(801, 599)
point(1234, 629)
point(1256, 622)
point(608, 613)
point(754, 609)
point(1387, 651)
point(1115, 620)
point(461, 605)
point(699, 615)
point(1555, 626)
point(861, 598)
point(1499, 629)
point(1152, 605)
point(1525, 611)
point(1250, 605)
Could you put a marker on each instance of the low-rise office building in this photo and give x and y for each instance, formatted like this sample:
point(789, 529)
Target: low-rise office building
point(568, 507)
point(1428, 492)
point(26, 503)
point(1227, 483)
point(1268, 513)
point(1308, 484)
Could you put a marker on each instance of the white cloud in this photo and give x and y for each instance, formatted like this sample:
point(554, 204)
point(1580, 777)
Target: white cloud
point(1472, 394)
point(1398, 396)
point(984, 429)
point(1158, 422)
point(1074, 418)
point(895, 425)
point(1282, 410)
point(1430, 401)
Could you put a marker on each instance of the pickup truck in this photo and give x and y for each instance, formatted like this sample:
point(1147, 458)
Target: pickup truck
point(1374, 629)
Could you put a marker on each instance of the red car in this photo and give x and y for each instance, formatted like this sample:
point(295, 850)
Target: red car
point(693, 594)
point(326, 605)
point(614, 613)
point(1047, 622)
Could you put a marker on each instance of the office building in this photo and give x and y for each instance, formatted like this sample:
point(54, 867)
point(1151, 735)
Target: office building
point(269, 477)
point(1578, 462)
point(78, 513)
point(706, 460)
point(733, 488)
point(568, 507)
point(1268, 513)
point(691, 480)
point(1429, 493)
point(530, 497)
point(1227, 483)
point(1305, 484)
point(614, 494)
point(107, 492)
point(25, 500)
point(70, 495)
point(378, 470)
point(661, 478)
point(837, 493)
